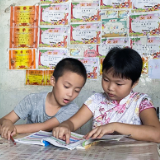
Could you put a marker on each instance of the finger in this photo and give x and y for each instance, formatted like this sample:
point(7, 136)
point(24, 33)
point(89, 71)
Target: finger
point(67, 138)
point(14, 132)
point(64, 138)
point(100, 135)
point(97, 133)
point(61, 135)
point(91, 133)
point(53, 132)
point(5, 133)
point(0, 129)
point(8, 135)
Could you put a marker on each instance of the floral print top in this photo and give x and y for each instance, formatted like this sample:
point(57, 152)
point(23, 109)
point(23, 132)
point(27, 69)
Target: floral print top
point(126, 111)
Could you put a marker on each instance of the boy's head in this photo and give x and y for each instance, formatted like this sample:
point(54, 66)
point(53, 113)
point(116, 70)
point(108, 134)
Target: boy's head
point(124, 62)
point(69, 64)
point(68, 79)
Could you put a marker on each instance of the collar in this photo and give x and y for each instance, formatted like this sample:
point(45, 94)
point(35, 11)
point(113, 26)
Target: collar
point(122, 101)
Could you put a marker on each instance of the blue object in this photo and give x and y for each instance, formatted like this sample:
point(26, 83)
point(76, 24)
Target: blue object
point(46, 143)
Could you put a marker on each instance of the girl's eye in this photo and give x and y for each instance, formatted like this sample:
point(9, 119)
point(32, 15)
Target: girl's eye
point(119, 84)
point(77, 91)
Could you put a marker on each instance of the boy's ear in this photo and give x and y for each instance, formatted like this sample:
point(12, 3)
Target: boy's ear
point(135, 84)
point(52, 80)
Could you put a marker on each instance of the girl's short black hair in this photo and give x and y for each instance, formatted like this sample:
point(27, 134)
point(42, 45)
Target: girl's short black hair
point(69, 64)
point(125, 62)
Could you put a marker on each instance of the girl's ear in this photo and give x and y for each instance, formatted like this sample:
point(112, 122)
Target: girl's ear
point(135, 84)
point(52, 81)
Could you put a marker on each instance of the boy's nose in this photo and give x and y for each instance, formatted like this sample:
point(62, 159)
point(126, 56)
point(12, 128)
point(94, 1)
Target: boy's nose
point(70, 92)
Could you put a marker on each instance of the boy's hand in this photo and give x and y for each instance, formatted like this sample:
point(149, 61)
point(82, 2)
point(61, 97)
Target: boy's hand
point(62, 133)
point(98, 132)
point(7, 129)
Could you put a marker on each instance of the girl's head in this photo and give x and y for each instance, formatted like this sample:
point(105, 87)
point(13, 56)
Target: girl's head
point(121, 71)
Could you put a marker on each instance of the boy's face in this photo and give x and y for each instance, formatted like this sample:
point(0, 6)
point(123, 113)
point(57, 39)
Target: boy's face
point(67, 87)
point(115, 87)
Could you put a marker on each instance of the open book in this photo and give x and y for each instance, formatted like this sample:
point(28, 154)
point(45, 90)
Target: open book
point(76, 140)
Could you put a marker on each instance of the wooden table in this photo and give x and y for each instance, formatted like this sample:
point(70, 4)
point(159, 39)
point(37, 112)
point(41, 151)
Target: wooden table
point(123, 150)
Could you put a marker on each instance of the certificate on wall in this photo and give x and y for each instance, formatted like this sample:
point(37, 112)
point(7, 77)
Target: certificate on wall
point(52, 1)
point(84, 51)
point(85, 33)
point(23, 37)
point(22, 59)
point(35, 77)
point(24, 16)
point(144, 24)
point(116, 4)
point(48, 74)
point(91, 51)
point(53, 37)
point(38, 77)
point(115, 27)
point(145, 5)
point(107, 14)
point(47, 60)
point(85, 12)
point(54, 15)
point(140, 45)
point(109, 43)
point(154, 68)
point(92, 66)
point(147, 46)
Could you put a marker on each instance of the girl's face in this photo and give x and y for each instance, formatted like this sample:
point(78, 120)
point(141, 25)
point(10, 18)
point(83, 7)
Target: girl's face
point(116, 88)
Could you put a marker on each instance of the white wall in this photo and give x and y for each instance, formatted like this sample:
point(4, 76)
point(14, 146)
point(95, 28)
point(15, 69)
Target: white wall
point(12, 83)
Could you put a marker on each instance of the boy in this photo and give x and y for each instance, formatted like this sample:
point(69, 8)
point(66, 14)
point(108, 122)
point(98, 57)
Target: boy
point(47, 110)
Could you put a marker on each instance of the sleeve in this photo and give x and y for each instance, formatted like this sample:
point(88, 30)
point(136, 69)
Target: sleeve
point(145, 104)
point(91, 102)
point(24, 108)
point(67, 112)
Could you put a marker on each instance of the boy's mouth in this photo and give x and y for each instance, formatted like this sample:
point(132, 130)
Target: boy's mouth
point(66, 101)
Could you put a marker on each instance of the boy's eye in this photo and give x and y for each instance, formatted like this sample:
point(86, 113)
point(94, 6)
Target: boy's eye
point(106, 80)
point(77, 91)
point(66, 86)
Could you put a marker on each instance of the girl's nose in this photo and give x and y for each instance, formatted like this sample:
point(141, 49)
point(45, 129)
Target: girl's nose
point(110, 87)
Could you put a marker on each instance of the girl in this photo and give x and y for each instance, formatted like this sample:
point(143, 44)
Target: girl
point(118, 109)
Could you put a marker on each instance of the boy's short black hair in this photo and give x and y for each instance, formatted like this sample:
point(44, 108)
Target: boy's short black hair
point(125, 62)
point(70, 64)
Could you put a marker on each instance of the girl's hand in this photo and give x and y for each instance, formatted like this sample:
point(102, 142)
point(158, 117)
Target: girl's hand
point(98, 132)
point(62, 133)
point(7, 129)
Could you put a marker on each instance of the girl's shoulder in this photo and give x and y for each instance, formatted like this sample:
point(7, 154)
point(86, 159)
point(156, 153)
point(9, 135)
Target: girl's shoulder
point(99, 95)
point(139, 95)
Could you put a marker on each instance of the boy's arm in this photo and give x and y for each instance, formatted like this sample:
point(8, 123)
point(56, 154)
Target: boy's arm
point(35, 127)
point(72, 124)
point(148, 131)
point(7, 125)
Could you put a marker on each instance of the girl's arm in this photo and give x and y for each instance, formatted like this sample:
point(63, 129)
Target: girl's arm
point(72, 124)
point(148, 131)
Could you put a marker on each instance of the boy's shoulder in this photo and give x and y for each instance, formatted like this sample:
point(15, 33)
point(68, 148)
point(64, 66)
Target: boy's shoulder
point(38, 94)
point(71, 105)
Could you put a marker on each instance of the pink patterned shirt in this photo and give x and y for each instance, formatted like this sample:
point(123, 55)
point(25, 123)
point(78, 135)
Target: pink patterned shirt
point(126, 111)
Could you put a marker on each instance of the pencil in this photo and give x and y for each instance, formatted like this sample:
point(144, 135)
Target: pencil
point(12, 140)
